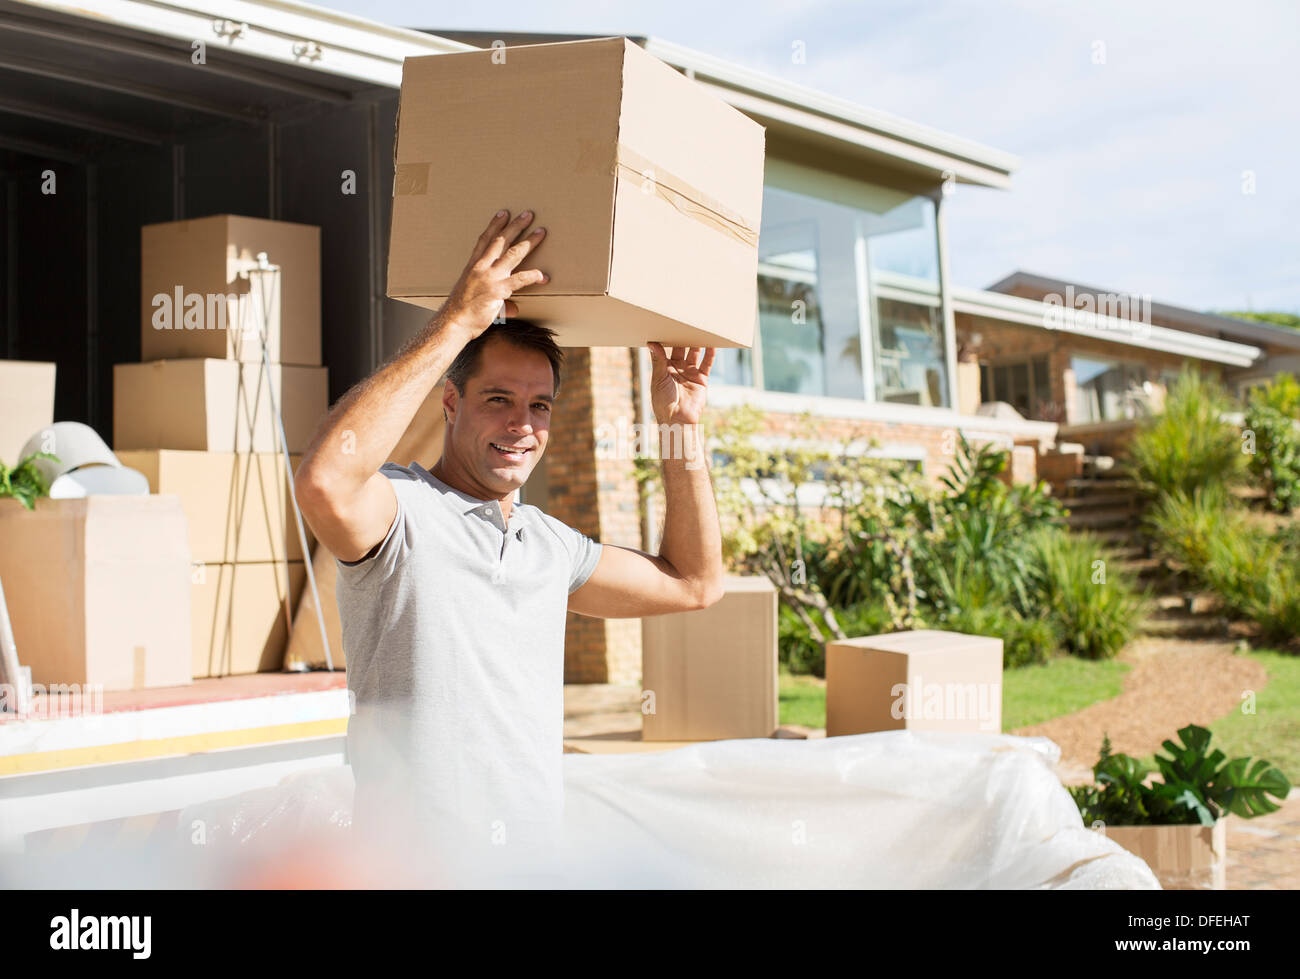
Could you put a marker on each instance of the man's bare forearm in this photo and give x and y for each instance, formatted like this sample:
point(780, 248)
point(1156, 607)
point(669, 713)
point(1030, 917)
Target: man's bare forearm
point(692, 540)
point(365, 426)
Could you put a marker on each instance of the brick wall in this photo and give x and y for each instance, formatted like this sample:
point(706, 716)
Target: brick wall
point(597, 495)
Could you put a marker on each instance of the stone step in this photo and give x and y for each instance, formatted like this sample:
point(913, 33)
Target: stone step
point(1175, 605)
point(1184, 626)
point(1103, 519)
point(1088, 483)
point(1146, 567)
point(1129, 500)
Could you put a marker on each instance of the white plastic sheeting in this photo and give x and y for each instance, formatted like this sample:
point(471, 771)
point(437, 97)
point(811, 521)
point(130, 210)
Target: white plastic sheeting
point(889, 810)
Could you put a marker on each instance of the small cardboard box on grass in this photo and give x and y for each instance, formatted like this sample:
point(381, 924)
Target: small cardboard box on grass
point(195, 291)
point(649, 186)
point(98, 590)
point(924, 680)
point(26, 404)
point(713, 672)
point(211, 405)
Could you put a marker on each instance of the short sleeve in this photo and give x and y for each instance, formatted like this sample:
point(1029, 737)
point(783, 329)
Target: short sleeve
point(583, 552)
point(388, 555)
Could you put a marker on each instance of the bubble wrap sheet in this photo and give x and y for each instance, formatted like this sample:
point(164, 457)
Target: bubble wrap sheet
point(894, 809)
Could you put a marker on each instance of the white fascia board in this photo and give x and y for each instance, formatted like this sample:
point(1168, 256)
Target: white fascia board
point(704, 66)
point(278, 30)
point(883, 412)
point(855, 135)
point(1078, 322)
point(1114, 329)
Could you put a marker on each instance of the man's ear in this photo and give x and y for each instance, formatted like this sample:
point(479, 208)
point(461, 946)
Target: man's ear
point(449, 400)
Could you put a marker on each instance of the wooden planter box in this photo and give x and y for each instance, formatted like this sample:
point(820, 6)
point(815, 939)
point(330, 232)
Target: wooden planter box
point(1181, 857)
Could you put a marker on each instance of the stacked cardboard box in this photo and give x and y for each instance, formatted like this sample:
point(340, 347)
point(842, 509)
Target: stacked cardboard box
point(196, 418)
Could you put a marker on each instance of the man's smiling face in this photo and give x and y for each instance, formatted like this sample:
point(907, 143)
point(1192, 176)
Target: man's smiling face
point(497, 432)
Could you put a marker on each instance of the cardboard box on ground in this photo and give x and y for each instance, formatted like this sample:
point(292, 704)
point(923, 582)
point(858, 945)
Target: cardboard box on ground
point(649, 186)
point(922, 680)
point(98, 590)
point(713, 672)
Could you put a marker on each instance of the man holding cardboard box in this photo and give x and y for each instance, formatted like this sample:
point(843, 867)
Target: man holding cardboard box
point(452, 599)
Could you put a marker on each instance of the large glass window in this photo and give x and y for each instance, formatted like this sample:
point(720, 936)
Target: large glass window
point(828, 271)
point(1023, 384)
point(1106, 390)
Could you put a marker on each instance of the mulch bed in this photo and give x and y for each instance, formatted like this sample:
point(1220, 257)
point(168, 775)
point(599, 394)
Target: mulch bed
point(1173, 683)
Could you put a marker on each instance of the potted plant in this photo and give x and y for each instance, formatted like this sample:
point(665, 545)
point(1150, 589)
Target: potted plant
point(1175, 825)
point(25, 482)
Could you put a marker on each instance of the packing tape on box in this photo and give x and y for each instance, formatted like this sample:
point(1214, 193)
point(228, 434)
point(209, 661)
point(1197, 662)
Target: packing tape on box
point(686, 199)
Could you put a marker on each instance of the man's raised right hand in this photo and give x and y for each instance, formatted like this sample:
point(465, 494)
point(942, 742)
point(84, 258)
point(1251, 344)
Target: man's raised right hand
point(490, 278)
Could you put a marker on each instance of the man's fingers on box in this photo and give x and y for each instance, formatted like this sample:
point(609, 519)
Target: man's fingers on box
point(527, 277)
point(520, 249)
point(494, 226)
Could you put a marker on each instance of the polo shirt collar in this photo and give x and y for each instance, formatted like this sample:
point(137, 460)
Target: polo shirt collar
point(489, 510)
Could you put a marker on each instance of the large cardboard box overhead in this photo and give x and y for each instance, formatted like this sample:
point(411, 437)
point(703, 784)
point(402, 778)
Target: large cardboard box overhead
point(923, 680)
point(26, 404)
point(649, 186)
point(241, 616)
point(713, 672)
point(215, 405)
point(237, 504)
point(98, 590)
point(183, 263)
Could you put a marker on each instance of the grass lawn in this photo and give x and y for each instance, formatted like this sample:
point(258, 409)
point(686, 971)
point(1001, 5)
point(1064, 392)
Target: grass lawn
point(1030, 694)
point(803, 700)
point(1037, 693)
point(1273, 731)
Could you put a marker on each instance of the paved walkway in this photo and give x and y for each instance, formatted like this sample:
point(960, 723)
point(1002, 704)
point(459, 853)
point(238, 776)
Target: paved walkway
point(1263, 853)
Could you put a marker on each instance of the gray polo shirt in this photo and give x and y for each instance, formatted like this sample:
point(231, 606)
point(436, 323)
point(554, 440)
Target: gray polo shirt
point(454, 636)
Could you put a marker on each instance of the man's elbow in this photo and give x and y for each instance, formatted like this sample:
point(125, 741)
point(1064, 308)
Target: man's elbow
point(313, 492)
point(710, 593)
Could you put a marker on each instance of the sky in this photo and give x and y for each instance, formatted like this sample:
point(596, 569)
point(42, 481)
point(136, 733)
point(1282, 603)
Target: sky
point(1159, 142)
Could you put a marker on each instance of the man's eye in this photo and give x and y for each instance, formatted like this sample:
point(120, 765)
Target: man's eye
point(543, 405)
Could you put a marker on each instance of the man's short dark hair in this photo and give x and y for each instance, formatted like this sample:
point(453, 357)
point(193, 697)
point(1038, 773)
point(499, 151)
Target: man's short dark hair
point(521, 333)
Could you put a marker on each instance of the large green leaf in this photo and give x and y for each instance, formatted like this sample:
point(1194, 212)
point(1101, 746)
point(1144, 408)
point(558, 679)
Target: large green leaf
point(1243, 789)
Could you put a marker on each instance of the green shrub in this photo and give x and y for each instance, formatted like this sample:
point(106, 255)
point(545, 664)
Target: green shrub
point(1257, 576)
point(800, 652)
point(1271, 420)
point(1258, 579)
point(1189, 444)
point(1183, 524)
point(1096, 606)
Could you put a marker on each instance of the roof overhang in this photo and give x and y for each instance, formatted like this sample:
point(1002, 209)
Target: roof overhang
point(1076, 322)
point(1112, 329)
point(1246, 330)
